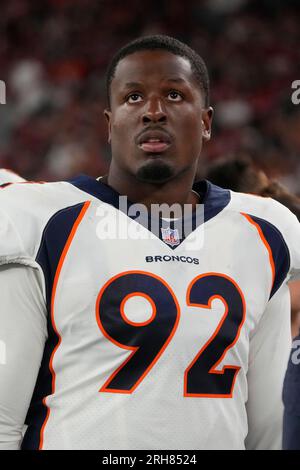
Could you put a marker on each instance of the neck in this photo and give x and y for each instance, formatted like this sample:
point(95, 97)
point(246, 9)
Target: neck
point(175, 191)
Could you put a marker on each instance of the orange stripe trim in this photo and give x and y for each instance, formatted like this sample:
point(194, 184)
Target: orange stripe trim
point(55, 282)
point(263, 239)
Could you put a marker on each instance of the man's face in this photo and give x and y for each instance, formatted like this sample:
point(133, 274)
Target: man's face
point(157, 122)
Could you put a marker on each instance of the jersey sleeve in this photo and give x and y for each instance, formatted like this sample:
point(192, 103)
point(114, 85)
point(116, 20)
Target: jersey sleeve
point(25, 211)
point(269, 351)
point(23, 332)
point(18, 227)
point(11, 245)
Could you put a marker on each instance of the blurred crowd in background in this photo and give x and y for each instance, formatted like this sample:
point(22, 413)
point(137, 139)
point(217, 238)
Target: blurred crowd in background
point(53, 57)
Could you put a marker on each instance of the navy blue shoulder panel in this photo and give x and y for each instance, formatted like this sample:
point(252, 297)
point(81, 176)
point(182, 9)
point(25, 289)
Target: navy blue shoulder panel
point(97, 189)
point(54, 239)
point(214, 198)
point(280, 251)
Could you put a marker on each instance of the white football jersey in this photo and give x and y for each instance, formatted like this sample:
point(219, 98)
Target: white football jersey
point(8, 176)
point(150, 337)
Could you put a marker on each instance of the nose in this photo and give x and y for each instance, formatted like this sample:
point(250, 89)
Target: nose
point(154, 112)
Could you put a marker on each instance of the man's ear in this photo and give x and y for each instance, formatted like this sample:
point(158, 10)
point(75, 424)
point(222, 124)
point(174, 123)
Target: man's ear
point(107, 115)
point(207, 115)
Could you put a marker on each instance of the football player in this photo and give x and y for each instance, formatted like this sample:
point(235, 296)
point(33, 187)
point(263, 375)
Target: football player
point(125, 327)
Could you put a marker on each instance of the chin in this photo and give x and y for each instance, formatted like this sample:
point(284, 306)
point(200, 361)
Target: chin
point(155, 172)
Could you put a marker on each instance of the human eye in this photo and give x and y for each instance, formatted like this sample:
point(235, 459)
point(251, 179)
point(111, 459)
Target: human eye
point(175, 96)
point(134, 98)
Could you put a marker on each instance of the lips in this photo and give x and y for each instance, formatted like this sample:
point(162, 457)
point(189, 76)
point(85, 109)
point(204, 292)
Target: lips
point(152, 141)
point(154, 146)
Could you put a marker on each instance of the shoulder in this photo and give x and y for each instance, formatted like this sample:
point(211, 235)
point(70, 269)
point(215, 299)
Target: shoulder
point(278, 226)
point(270, 211)
point(34, 200)
point(25, 210)
point(267, 210)
point(263, 207)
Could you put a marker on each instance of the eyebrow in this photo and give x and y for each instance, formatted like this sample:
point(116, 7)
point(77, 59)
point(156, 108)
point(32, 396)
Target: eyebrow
point(133, 85)
point(176, 80)
point(140, 84)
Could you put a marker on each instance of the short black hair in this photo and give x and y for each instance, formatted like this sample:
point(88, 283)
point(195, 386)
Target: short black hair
point(167, 43)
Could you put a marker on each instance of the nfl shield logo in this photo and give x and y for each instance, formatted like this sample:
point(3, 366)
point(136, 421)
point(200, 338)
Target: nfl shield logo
point(170, 236)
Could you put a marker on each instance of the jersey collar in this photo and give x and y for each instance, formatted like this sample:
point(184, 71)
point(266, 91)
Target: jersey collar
point(214, 198)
